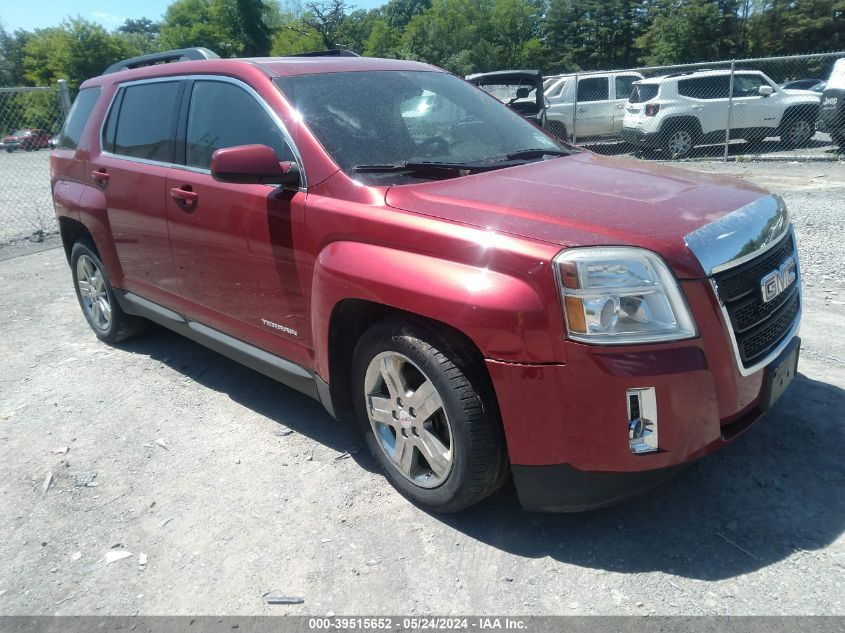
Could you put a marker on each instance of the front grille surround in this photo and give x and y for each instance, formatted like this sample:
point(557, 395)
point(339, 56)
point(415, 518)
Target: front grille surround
point(759, 331)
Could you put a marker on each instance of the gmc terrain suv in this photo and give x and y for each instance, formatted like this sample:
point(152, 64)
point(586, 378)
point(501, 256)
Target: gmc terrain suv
point(485, 300)
point(677, 112)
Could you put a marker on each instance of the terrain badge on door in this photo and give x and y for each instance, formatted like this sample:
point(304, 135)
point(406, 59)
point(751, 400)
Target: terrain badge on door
point(281, 328)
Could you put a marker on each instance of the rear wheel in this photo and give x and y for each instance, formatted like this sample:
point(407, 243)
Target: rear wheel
point(97, 300)
point(679, 142)
point(430, 426)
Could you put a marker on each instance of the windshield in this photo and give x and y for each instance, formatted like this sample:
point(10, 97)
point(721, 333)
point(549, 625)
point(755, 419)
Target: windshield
point(396, 117)
point(21, 133)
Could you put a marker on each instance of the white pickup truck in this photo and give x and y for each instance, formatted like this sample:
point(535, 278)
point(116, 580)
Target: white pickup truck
point(599, 108)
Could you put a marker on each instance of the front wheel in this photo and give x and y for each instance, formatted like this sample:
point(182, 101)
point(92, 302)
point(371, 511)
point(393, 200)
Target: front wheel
point(797, 133)
point(838, 139)
point(432, 428)
point(97, 300)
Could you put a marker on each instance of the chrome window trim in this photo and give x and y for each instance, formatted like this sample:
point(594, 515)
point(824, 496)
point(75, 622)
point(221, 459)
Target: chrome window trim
point(796, 325)
point(221, 78)
point(723, 244)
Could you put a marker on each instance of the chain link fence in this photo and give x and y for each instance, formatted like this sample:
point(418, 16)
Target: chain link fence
point(29, 119)
point(707, 110)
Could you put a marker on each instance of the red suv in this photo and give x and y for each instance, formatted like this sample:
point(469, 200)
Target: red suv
point(484, 299)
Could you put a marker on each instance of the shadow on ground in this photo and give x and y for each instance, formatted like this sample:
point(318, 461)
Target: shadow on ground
point(776, 490)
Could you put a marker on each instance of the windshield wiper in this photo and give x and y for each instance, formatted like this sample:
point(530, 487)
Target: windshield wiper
point(427, 167)
point(536, 153)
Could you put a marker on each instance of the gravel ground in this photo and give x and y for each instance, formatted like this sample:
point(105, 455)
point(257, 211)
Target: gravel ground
point(232, 486)
point(25, 204)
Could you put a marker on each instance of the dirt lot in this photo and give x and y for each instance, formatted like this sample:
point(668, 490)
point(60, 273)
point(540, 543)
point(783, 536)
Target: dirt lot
point(233, 486)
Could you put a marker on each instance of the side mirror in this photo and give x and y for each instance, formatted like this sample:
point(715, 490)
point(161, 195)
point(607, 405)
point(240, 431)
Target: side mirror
point(765, 91)
point(253, 165)
point(522, 93)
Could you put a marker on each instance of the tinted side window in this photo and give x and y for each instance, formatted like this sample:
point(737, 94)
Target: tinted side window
point(145, 122)
point(625, 85)
point(705, 87)
point(79, 114)
point(748, 85)
point(224, 115)
point(593, 89)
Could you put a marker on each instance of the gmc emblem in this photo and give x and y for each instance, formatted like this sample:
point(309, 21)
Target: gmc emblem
point(778, 280)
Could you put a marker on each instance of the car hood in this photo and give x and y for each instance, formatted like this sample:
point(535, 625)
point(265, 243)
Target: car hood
point(12, 138)
point(586, 199)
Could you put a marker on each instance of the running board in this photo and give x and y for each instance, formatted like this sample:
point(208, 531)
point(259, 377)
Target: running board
point(276, 367)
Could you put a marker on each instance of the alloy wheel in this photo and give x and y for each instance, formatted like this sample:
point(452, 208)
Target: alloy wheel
point(800, 132)
point(93, 292)
point(680, 143)
point(408, 419)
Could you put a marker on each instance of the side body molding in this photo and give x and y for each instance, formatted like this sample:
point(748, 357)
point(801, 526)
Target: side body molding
point(504, 315)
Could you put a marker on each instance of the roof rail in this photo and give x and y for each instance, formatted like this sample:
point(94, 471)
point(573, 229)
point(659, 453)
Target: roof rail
point(692, 72)
point(178, 55)
point(332, 52)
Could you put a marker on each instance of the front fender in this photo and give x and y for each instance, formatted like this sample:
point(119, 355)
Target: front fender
point(508, 318)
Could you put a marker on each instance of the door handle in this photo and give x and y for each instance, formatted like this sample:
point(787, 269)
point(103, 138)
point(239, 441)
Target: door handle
point(582, 109)
point(620, 106)
point(100, 176)
point(184, 196)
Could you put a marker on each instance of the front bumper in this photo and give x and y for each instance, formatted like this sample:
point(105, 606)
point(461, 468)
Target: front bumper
point(9, 144)
point(566, 424)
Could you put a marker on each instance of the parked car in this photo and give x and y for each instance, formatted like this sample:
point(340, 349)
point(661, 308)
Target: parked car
point(601, 100)
point(522, 90)
point(28, 139)
point(680, 111)
point(832, 115)
point(485, 300)
point(802, 84)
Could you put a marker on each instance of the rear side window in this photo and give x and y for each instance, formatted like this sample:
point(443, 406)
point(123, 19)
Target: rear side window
point(643, 92)
point(79, 114)
point(593, 89)
point(624, 85)
point(144, 121)
point(224, 115)
point(705, 87)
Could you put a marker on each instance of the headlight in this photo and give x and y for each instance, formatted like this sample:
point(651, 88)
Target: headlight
point(621, 295)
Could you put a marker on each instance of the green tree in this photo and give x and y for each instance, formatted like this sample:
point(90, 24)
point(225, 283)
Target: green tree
point(12, 47)
point(594, 34)
point(141, 35)
point(194, 23)
point(383, 41)
point(75, 51)
point(682, 32)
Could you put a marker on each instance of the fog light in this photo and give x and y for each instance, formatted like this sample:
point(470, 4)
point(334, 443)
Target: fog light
point(642, 420)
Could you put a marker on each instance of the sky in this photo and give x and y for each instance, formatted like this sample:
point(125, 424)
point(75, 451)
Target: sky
point(35, 14)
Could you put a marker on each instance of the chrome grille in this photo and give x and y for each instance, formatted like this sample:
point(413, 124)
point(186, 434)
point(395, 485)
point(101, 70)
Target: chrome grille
point(759, 327)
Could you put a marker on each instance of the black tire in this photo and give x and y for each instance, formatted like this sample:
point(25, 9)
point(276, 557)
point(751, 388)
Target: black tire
point(477, 448)
point(9, 150)
point(679, 140)
point(797, 132)
point(120, 326)
point(838, 139)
